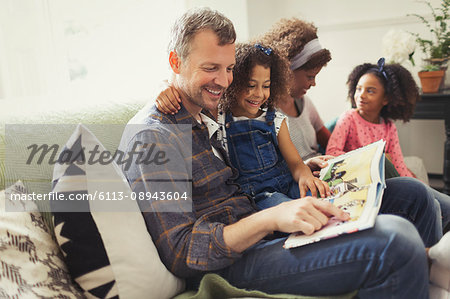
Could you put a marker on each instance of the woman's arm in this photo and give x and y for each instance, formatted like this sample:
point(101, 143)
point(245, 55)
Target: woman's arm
point(323, 135)
point(301, 173)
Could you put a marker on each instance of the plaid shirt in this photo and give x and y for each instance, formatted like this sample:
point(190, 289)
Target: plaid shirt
point(189, 238)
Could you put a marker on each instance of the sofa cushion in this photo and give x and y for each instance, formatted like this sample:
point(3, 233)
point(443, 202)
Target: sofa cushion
point(107, 247)
point(31, 264)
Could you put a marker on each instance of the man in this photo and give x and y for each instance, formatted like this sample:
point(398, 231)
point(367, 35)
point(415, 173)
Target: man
point(222, 232)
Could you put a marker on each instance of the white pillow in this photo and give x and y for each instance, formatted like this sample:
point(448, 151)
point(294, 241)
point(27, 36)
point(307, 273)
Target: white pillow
point(108, 253)
point(32, 265)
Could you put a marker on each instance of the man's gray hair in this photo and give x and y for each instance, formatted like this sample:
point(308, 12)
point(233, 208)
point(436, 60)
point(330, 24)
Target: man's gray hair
point(195, 20)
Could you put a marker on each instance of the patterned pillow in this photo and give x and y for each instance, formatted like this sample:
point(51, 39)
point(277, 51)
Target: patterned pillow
point(106, 245)
point(31, 264)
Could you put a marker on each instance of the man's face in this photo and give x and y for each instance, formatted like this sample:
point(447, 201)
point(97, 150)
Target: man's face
point(207, 70)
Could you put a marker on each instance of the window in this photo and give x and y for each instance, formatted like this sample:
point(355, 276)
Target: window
point(58, 52)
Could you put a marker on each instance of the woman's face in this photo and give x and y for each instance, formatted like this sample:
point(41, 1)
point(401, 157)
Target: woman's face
point(250, 100)
point(303, 80)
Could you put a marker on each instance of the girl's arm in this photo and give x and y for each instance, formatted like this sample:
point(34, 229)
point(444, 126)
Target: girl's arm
point(394, 152)
point(301, 173)
point(168, 101)
point(339, 137)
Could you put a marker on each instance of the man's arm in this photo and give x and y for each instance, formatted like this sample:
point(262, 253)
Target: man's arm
point(305, 215)
point(188, 243)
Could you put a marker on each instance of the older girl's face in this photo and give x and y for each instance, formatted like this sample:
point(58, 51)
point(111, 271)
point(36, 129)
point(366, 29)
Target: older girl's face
point(303, 80)
point(370, 97)
point(250, 100)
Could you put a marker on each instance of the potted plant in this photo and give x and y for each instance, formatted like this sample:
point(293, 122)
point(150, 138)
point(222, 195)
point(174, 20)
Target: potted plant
point(437, 48)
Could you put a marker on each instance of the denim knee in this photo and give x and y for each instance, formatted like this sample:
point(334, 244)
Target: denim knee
point(400, 252)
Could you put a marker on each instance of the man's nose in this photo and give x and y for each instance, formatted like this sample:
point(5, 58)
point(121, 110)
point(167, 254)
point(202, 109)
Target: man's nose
point(224, 78)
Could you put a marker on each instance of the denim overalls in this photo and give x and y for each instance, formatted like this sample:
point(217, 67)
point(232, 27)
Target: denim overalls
point(253, 150)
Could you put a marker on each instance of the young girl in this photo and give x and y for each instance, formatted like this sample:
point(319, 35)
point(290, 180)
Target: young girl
point(380, 94)
point(254, 135)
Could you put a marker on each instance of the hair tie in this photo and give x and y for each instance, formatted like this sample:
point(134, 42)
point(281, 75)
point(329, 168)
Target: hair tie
point(266, 51)
point(380, 68)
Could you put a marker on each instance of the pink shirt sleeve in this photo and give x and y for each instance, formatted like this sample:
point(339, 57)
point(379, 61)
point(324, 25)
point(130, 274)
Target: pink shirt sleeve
point(339, 136)
point(395, 152)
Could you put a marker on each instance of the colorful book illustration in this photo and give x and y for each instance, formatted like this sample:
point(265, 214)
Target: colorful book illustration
point(356, 180)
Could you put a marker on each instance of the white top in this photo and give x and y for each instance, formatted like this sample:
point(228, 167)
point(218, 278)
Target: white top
point(303, 129)
point(212, 126)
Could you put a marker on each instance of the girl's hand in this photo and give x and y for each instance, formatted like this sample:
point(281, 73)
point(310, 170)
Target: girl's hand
point(317, 163)
point(168, 101)
point(314, 184)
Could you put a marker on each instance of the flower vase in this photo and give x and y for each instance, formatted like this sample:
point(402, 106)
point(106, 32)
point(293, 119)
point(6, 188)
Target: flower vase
point(431, 81)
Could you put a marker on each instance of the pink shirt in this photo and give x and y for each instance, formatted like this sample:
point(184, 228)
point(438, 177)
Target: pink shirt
point(352, 132)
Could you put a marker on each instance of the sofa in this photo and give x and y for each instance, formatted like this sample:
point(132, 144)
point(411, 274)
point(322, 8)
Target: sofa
point(95, 254)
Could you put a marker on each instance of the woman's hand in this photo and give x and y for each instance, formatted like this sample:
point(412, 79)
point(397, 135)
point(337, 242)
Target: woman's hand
point(168, 101)
point(317, 163)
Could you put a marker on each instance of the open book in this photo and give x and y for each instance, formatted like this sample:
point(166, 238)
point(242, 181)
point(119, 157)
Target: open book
point(356, 180)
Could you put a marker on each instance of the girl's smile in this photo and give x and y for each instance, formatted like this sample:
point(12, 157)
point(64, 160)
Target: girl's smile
point(258, 91)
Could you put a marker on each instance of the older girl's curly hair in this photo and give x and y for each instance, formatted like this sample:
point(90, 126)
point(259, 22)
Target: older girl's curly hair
point(290, 36)
point(400, 89)
point(248, 56)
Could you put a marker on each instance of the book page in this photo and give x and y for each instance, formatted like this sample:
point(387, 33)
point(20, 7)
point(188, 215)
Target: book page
point(357, 186)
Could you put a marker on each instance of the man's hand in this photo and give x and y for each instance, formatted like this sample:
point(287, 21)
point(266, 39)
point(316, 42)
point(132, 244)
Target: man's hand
point(305, 215)
point(168, 101)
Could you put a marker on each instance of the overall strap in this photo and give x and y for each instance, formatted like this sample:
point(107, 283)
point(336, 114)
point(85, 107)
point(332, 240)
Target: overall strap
point(270, 116)
point(228, 119)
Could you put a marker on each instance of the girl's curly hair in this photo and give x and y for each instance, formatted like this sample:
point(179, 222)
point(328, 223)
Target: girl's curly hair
point(248, 56)
point(400, 89)
point(290, 36)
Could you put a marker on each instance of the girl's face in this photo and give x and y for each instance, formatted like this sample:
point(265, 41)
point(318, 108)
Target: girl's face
point(303, 80)
point(250, 100)
point(370, 97)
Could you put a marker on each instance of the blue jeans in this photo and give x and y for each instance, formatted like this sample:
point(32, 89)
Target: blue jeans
point(266, 200)
point(444, 203)
point(388, 260)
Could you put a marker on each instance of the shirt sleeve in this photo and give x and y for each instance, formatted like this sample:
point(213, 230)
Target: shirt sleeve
point(187, 244)
point(279, 117)
point(339, 136)
point(395, 152)
point(314, 116)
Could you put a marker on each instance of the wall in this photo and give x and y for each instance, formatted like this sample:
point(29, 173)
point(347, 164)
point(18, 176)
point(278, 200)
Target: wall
point(352, 30)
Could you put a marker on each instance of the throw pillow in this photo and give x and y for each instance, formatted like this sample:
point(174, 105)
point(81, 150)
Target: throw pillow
point(110, 254)
point(31, 264)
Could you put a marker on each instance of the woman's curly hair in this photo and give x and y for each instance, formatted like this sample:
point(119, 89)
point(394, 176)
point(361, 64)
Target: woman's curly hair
point(400, 88)
point(248, 56)
point(290, 36)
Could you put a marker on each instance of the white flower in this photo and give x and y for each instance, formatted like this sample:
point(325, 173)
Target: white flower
point(398, 46)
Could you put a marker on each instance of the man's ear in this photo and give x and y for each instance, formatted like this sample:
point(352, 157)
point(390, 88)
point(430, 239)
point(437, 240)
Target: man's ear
point(174, 62)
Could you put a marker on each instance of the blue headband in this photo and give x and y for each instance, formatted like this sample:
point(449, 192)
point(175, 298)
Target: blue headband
point(266, 51)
